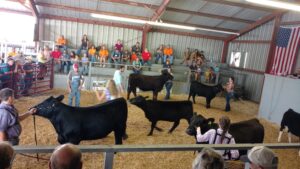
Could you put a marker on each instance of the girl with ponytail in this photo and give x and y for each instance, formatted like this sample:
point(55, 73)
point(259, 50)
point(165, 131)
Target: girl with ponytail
point(219, 136)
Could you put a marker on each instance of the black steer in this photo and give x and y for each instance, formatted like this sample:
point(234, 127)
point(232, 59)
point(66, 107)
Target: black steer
point(73, 124)
point(209, 92)
point(249, 131)
point(147, 83)
point(171, 111)
point(291, 120)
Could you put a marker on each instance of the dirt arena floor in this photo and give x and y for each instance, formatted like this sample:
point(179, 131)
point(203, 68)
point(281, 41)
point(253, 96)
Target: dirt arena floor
point(137, 128)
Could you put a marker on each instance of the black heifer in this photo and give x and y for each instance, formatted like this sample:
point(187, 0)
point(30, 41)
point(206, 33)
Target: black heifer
point(291, 120)
point(209, 92)
point(147, 83)
point(73, 124)
point(249, 131)
point(171, 111)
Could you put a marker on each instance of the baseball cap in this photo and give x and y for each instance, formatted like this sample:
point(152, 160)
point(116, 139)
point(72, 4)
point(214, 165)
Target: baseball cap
point(261, 156)
point(75, 65)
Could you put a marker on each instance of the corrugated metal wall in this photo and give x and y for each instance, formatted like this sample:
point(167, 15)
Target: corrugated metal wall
point(257, 54)
point(253, 84)
point(212, 48)
point(97, 34)
point(257, 57)
point(263, 32)
point(290, 16)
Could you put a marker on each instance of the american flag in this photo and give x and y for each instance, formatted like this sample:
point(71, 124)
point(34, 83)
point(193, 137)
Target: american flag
point(285, 52)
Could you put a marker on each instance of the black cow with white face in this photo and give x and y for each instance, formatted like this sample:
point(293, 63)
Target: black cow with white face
point(209, 92)
point(291, 120)
point(249, 131)
point(172, 111)
point(73, 124)
point(148, 83)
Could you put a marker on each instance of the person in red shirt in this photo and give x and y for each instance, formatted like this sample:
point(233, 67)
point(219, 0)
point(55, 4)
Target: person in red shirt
point(146, 56)
point(119, 46)
point(56, 55)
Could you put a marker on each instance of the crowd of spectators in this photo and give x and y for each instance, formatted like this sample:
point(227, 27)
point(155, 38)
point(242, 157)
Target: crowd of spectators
point(68, 156)
point(17, 71)
point(101, 55)
point(87, 52)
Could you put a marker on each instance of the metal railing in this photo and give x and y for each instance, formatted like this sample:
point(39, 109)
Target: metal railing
point(110, 150)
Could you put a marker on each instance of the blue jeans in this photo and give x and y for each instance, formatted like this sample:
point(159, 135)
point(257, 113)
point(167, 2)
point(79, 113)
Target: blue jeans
point(228, 97)
point(159, 56)
point(168, 85)
point(93, 59)
point(84, 69)
point(147, 62)
point(135, 71)
point(82, 48)
point(168, 57)
point(74, 93)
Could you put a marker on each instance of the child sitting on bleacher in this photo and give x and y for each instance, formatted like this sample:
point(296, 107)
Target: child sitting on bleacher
point(103, 53)
point(92, 54)
point(133, 57)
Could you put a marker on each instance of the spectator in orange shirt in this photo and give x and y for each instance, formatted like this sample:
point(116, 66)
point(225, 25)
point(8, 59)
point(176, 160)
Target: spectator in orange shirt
point(168, 54)
point(133, 57)
point(146, 56)
point(103, 53)
point(92, 54)
point(61, 42)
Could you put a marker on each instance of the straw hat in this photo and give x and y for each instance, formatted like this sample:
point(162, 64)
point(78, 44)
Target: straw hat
point(28, 58)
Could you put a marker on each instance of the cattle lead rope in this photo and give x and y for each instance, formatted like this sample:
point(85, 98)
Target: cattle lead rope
point(37, 155)
point(35, 138)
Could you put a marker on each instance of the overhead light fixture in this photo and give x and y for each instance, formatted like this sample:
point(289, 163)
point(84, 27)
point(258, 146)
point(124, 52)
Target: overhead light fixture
point(169, 25)
point(277, 4)
point(116, 18)
point(161, 24)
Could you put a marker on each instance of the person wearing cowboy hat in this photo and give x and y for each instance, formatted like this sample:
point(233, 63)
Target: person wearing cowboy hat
point(28, 78)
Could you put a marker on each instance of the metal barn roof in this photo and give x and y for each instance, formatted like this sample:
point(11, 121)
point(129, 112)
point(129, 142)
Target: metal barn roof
point(224, 15)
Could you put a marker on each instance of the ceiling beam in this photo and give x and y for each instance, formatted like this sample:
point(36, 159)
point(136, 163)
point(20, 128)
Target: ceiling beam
point(242, 5)
point(130, 3)
point(160, 10)
point(290, 23)
point(187, 34)
point(43, 4)
point(210, 15)
point(34, 9)
point(97, 22)
point(15, 11)
point(202, 26)
point(256, 24)
point(157, 14)
point(30, 4)
point(138, 4)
